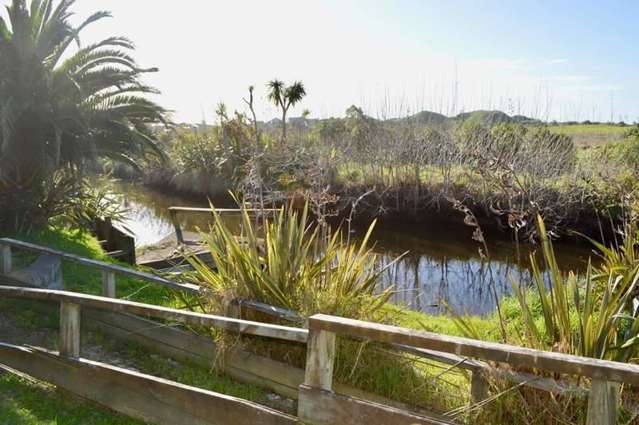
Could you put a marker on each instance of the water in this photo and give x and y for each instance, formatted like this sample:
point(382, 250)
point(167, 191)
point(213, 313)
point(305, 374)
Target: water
point(443, 262)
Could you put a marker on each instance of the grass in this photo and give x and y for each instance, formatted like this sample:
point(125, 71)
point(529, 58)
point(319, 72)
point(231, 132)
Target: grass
point(27, 402)
point(590, 135)
point(88, 280)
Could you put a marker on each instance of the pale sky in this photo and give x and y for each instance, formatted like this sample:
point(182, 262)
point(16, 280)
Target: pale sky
point(547, 59)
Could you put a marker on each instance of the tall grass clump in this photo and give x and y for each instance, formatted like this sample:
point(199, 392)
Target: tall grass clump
point(591, 315)
point(292, 263)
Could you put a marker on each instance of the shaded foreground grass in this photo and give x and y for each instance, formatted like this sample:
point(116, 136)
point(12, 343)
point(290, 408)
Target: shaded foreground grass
point(27, 402)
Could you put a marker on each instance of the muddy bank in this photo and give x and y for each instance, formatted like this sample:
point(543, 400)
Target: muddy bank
point(400, 207)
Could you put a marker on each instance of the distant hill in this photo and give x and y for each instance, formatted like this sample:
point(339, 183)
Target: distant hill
point(486, 118)
point(490, 118)
point(428, 118)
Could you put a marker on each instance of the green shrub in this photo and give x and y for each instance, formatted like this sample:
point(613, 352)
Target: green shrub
point(293, 265)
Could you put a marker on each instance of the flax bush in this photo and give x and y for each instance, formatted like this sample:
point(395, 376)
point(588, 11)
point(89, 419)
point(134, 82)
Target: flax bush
point(289, 262)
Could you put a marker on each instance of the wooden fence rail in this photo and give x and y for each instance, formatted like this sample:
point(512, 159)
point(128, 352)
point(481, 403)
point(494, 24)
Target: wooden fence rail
point(155, 312)
point(318, 402)
point(174, 211)
point(144, 397)
point(138, 395)
point(319, 405)
point(109, 271)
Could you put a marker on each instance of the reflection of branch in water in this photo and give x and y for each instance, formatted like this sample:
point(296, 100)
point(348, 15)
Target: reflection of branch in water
point(465, 286)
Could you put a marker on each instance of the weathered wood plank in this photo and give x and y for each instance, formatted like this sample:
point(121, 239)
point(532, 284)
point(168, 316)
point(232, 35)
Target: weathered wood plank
point(328, 408)
point(181, 345)
point(108, 284)
point(6, 262)
point(69, 330)
point(199, 350)
point(281, 378)
point(222, 210)
point(478, 387)
point(45, 272)
point(100, 265)
point(140, 396)
point(320, 360)
point(173, 213)
point(603, 403)
point(151, 311)
point(515, 356)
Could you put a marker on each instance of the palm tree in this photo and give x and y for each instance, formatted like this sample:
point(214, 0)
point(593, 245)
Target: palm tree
point(284, 97)
point(61, 107)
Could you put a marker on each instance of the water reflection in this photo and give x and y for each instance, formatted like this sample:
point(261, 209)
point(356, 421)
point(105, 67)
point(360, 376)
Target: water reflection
point(148, 212)
point(443, 266)
point(443, 263)
point(467, 286)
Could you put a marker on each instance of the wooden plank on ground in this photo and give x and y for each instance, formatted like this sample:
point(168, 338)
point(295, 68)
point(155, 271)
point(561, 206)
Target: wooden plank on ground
point(140, 396)
point(489, 351)
point(328, 408)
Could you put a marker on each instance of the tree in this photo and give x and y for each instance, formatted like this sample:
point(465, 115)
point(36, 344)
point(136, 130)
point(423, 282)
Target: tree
point(284, 97)
point(61, 108)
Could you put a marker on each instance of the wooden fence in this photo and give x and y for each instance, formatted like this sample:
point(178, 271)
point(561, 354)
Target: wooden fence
point(171, 341)
point(320, 400)
point(318, 404)
point(109, 271)
point(135, 394)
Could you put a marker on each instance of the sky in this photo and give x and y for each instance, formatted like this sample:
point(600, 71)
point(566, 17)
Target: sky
point(563, 60)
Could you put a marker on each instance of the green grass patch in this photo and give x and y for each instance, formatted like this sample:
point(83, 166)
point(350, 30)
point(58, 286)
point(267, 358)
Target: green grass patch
point(27, 402)
point(589, 135)
point(88, 280)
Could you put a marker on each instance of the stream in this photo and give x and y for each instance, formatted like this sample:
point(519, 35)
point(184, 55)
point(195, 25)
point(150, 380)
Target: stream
point(442, 263)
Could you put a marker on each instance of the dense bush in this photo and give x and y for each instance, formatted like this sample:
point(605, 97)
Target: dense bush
point(293, 264)
point(62, 108)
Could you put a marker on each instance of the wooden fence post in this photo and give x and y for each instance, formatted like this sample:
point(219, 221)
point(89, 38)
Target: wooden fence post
point(176, 224)
point(478, 386)
point(603, 402)
point(6, 262)
point(69, 330)
point(108, 284)
point(320, 360)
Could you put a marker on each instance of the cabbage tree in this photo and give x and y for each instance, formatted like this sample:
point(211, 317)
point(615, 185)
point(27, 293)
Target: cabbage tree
point(284, 97)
